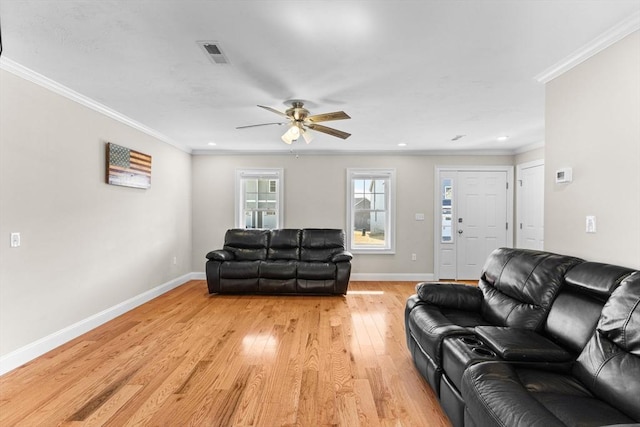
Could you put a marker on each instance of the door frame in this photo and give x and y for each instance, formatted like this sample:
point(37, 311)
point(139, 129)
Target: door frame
point(437, 230)
point(518, 188)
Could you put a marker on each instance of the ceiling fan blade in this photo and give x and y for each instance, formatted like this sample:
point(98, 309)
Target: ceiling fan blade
point(326, 117)
point(273, 110)
point(262, 124)
point(329, 131)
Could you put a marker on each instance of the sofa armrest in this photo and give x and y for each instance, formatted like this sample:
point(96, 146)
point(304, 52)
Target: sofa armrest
point(450, 295)
point(220, 255)
point(342, 257)
point(521, 345)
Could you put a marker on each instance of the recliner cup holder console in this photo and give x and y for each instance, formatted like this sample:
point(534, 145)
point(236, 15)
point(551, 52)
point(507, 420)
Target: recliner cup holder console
point(471, 341)
point(483, 351)
point(477, 346)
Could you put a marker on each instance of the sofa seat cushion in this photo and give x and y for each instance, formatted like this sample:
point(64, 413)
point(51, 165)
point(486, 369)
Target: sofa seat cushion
point(501, 394)
point(278, 269)
point(316, 270)
point(240, 269)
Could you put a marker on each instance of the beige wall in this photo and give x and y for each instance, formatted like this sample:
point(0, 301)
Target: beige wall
point(315, 196)
point(593, 126)
point(86, 245)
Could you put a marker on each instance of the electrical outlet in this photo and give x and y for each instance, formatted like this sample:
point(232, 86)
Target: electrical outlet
point(175, 260)
point(413, 257)
point(15, 240)
point(591, 224)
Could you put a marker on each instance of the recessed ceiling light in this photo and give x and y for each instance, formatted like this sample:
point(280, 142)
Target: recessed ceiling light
point(212, 144)
point(502, 138)
point(402, 144)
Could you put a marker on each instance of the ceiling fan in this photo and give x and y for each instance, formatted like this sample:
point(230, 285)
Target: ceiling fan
point(300, 122)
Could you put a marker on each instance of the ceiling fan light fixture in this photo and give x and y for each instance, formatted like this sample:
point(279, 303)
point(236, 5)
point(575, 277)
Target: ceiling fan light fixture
point(291, 134)
point(308, 137)
point(286, 138)
point(294, 131)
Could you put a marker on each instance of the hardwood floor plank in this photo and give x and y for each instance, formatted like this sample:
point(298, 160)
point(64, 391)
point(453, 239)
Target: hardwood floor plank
point(190, 359)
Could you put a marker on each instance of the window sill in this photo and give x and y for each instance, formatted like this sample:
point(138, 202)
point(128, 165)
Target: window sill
point(372, 251)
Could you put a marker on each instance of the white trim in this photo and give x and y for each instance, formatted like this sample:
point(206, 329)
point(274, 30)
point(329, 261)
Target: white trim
point(436, 205)
point(392, 277)
point(615, 34)
point(19, 357)
point(34, 77)
point(329, 152)
point(519, 209)
point(276, 174)
point(529, 147)
point(390, 220)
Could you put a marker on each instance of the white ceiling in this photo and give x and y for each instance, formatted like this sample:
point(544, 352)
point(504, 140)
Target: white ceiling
point(418, 72)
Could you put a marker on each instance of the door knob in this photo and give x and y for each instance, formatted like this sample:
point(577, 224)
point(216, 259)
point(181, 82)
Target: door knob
point(459, 231)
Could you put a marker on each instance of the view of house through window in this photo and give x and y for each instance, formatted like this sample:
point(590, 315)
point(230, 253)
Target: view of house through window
point(370, 213)
point(259, 199)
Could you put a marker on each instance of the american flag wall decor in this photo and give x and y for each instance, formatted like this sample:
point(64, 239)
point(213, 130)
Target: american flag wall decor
point(127, 167)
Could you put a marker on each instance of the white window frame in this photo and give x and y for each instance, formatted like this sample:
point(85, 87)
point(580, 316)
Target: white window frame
point(390, 195)
point(272, 174)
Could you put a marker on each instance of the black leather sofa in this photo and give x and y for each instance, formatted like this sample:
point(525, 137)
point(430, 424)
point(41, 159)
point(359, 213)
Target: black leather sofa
point(544, 340)
point(282, 261)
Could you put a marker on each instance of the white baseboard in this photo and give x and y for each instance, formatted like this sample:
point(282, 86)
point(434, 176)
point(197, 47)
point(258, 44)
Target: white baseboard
point(35, 349)
point(392, 277)
point(366, 277)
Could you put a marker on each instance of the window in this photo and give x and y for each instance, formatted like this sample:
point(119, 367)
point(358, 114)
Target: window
point(259, 198)
point(371, 210)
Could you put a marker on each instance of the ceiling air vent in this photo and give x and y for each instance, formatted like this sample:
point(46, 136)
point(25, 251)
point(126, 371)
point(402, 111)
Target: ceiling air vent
point(214, 52)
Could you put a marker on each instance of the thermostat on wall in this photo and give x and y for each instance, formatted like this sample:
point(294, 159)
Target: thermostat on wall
point(563, 175)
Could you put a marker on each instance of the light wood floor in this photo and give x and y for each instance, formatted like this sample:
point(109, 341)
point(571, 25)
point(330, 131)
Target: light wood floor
point(189, 359)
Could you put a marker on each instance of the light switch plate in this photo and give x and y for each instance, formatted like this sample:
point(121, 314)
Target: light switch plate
point(419, 217)
point(591, 224)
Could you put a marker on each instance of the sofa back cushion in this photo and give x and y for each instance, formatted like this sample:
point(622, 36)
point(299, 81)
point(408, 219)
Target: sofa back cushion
point(620, 320)
point(519, 286)
point(284, 244)
point(320, 244)
point(247, 244)
point(609, 365)
point(575, 312)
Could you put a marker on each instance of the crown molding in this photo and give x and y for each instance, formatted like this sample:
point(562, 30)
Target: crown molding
point(615, 34)
point(37, 78)
point(294, 153)
point(530, 147)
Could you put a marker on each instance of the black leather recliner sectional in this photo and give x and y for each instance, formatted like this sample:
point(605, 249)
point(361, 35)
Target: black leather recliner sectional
point(544, 340)
point(282, 261)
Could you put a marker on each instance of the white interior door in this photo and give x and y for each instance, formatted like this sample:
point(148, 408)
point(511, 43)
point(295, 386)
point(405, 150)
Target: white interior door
point(530, 230)
point(481, 221)
point(480, 211)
